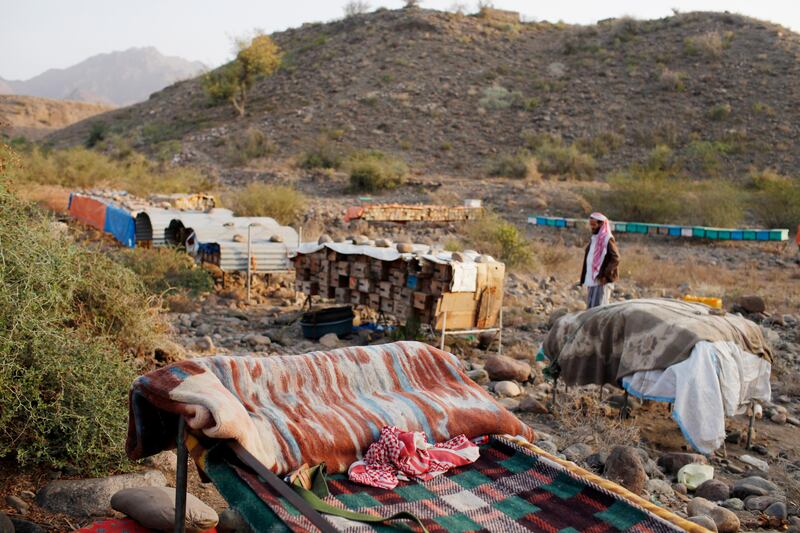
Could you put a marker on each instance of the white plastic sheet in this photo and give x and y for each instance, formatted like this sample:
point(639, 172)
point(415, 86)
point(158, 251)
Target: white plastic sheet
point(717, 380)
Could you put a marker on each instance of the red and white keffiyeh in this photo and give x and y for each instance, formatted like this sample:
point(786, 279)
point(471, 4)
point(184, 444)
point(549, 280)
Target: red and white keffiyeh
point(403, 455)
point(601, 243)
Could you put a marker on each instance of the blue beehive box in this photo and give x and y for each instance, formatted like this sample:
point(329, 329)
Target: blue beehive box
point(561, 223)
point(411, 281)
point(737, 235)
point(762, 235)
point(541, 221)
point(674, 231)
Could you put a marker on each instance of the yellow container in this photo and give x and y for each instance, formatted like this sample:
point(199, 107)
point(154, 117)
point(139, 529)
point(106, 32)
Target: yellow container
point(716, 303)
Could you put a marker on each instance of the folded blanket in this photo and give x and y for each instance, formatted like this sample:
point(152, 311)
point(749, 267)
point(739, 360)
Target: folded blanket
point(605, 344)
point(318, 407)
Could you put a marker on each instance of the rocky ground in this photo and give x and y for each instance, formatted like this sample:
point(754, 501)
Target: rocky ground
point(751, 489)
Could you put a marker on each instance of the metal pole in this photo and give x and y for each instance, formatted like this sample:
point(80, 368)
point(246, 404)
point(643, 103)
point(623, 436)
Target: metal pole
point(249, 261)
point(181, 477)
point(623, 412)
point(750, 425)
point(500, 334)
point(444, 328)
point(555, 392)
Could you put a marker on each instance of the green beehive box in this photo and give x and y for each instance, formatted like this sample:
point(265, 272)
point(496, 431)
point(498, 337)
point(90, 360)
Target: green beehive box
point(724, 235)
point(698, 232)
point(712, 233)
point(778, 234)
point(749, 235)
point(621, 227)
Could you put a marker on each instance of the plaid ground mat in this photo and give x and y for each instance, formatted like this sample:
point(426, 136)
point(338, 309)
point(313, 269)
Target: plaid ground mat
point(509, 489)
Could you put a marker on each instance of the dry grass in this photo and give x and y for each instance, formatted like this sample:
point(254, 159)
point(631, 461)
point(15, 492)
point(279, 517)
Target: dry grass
point(50, 197)
point(583, 419)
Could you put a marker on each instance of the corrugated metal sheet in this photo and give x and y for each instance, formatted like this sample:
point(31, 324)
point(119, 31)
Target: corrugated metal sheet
point(87, 209)
point(232, 256)
point(151, 224)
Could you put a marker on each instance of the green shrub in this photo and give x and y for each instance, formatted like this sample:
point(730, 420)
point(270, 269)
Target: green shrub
point(124, 169)
point(283, 203)
point(670, 80)
point(97, 133)
point(719, 112)
point(497, 97)
point(372, 171)
point(248, 145)
point(165, 269)
point(565, 160)
point(519, 165)
point(776, 200)
point(323, 154)
point(494, 236)
point(651, 196)
point(660, 159)
point(70, 321)
point(709, 44)
point(601, 144)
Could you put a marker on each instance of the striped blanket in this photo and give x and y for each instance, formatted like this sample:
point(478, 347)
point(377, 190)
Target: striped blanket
point(312, 408)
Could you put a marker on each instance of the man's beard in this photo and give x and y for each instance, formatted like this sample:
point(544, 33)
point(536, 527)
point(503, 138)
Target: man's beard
point(596, 230)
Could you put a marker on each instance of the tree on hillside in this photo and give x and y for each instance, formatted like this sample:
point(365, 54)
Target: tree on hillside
point(259, 56)
point(355, 7)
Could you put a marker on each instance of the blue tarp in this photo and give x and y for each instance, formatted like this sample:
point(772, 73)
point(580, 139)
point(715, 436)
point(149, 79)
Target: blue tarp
point(120, 224)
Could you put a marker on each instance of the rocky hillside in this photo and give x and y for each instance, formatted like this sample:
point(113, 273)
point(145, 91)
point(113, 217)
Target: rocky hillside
point(449, 92)
point(118, 78)
point(34, 117)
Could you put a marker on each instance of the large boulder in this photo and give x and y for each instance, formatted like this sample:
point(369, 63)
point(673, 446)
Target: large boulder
point(753, 486)
point(154, 508)
point(624, 466)
point(501, 367)
point(92, 497)
point(5, 524)
point(674, 461)
point(751, 304)
point(713, 490)
point(507, 388)
point(725, 520)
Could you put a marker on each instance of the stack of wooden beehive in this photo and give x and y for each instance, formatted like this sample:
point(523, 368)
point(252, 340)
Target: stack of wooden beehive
point(404, 287)
point(411, 213)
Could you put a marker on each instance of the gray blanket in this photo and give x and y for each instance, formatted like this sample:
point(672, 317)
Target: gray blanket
point(605, 344)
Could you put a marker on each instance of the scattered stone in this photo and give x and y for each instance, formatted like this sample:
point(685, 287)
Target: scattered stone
point(760, 449)
point(680, 488)
point(793, 420)
point(625, 467)
point(725, 519)
point(405, 247)
point(597, 461)
point(383, 243)
point(204, 344)
point(24, 526)
point(165, 461)
point(779, 418)
point(704, 521)
point(479, 376)
point(254, 339)
point(507, 388)
point(751, 304)
point(734, 504)
point(759, 503)
point(577, 452)
point(509, 403)
point(660, 488)
point(322, 240)
point(5, 524)
point(713, 490)
point(154, 508)
point(92, 497)
point(230, 521)
point(753, 486)
point(18, 504)
point(239, 238)
point(532, 404)
point(502, 367)
point(548, 446)
point(672, 462)
point(329, 340)
point(754, 462)
point(485, 339)
point(776, 513)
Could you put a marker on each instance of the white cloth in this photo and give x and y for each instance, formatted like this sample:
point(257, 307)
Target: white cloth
point(589, 279)
point(717, 380)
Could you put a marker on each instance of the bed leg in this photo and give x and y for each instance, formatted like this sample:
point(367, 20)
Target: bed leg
point(623, 411)
point(181, 477)
point(555, 393)
point(750, 425)
point(601, 394)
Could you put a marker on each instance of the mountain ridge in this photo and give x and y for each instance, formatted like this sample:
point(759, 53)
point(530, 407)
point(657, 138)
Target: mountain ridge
point(448, 93)
point(118, 78)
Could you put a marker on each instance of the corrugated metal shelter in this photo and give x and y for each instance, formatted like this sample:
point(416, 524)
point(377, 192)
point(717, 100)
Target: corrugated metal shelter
point(120, 223)
point(151, 224)
point(88, 210)
point(266, 257)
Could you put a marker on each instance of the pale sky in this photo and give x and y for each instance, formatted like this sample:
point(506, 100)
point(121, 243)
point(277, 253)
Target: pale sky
point(39, 34)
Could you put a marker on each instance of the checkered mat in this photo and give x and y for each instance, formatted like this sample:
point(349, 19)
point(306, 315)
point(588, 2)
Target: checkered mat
point(509, 489)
